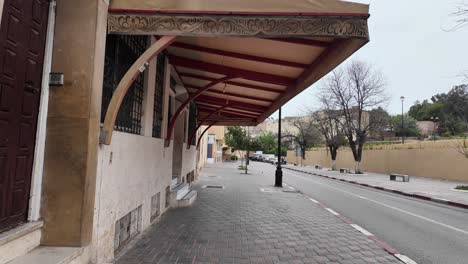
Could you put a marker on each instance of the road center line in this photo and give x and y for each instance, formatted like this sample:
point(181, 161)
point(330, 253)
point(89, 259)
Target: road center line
point(385, 205)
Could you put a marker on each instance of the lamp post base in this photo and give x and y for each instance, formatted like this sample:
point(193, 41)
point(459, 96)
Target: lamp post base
point(279, 177)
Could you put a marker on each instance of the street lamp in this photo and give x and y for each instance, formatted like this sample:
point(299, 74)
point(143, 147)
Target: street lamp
point(402, 121)
point(279, 171)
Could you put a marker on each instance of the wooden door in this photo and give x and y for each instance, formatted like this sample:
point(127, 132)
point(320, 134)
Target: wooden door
point(23, 33)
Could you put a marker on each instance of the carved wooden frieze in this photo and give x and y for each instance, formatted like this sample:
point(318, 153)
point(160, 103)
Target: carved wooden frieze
point(255, 26)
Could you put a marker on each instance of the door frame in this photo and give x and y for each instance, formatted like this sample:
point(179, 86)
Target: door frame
point(38, 158)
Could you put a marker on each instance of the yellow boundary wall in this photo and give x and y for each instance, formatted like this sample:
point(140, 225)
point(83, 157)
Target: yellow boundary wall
point(437, 160)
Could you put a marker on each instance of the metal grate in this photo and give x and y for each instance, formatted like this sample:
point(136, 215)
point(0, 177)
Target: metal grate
point(213, 186)
point(121, 52)
point(158, 95)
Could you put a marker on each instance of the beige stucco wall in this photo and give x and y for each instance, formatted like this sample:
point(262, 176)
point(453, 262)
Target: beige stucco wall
point(130, 171)
point(70, 158)
point(218, 131)
point(202, 149)
point(437, 160)
point(188, 159)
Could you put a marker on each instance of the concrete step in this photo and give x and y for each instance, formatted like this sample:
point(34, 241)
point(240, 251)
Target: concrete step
point(180, 190)
point(174, 182)
point(49, 255)
point(188, 199)
point(19, 241)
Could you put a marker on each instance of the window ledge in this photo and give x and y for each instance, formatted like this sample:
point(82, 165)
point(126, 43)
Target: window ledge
point(19, 231)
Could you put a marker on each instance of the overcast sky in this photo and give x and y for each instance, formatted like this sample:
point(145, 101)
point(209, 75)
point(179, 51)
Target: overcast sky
point(411, 48)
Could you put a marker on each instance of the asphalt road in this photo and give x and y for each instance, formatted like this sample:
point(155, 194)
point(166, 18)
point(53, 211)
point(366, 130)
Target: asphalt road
point(426, 232)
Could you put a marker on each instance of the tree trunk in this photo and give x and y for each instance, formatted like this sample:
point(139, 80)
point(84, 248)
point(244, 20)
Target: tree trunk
point(352, 145)
point(359, 158)
point(333, 154)
point(357, 169)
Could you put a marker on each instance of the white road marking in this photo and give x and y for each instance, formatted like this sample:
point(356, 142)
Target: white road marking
point(362, 230)
point(405, 259)
point(331, 211)
point(386, 205)
point(315, 201)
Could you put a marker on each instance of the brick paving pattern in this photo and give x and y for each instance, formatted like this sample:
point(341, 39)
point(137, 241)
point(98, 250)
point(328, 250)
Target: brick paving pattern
point(443, 189)
point(241, 224)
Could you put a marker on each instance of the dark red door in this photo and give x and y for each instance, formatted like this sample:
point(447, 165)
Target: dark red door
point(23, 32)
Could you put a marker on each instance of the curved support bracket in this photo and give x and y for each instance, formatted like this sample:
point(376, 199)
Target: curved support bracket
point(187, 101)
point(194, 133)
point(127, 80)
point(203, 133)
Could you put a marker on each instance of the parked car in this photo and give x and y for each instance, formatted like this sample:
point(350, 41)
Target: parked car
point(273, 160)
point(283, 161)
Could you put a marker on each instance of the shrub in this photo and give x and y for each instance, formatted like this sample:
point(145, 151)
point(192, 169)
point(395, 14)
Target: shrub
point(234, 157)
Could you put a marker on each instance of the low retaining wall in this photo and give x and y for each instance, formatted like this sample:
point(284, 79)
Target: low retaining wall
point(437, 163)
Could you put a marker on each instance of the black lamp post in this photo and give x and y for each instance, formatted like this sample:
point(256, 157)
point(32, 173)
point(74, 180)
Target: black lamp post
point(279, 171)
point(402, 121)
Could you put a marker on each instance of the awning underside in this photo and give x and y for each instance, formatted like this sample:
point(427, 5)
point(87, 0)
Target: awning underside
point(270, 50)
point(265, 69)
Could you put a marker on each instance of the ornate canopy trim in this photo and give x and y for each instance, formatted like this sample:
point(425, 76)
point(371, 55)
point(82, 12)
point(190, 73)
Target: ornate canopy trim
point(239, 25)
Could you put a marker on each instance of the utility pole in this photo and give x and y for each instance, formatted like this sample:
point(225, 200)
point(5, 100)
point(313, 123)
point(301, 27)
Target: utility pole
point(402, 121)
point(279, 171)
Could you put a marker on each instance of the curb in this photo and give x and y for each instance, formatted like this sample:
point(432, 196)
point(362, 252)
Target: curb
point(414, 195)
point(387, 247)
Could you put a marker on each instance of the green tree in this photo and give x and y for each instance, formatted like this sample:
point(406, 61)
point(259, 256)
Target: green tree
point(238, 138)
point(425, 110)
point(381, 119)
point(410, 128)
point(267, 143)
point(450, 108)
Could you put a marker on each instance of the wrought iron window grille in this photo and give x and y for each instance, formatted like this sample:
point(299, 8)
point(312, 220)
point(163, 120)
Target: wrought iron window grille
point(121, 52)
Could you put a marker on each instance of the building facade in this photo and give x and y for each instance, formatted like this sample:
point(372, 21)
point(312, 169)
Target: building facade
point(102, 112)
point(74, 196)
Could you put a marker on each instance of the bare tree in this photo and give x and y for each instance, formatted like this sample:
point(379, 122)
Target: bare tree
point(328, 125)
point(460, 15)
point(306, 135)
point(354, 91)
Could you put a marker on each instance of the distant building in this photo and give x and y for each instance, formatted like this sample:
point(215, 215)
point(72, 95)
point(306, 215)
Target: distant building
point(427, 127)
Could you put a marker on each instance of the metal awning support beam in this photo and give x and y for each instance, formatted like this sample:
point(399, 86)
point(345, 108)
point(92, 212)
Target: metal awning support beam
point(246, 85)
point(190, 99)
point(225, 70)
point(117, 97)
point(231, 94)
point(238, 104)
point(203, 133)
point(240, 55)
point(232, 110)
point(194, 133)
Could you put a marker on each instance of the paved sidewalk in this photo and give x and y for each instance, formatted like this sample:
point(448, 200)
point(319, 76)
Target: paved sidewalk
point(250, 221)
point(438, 190)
